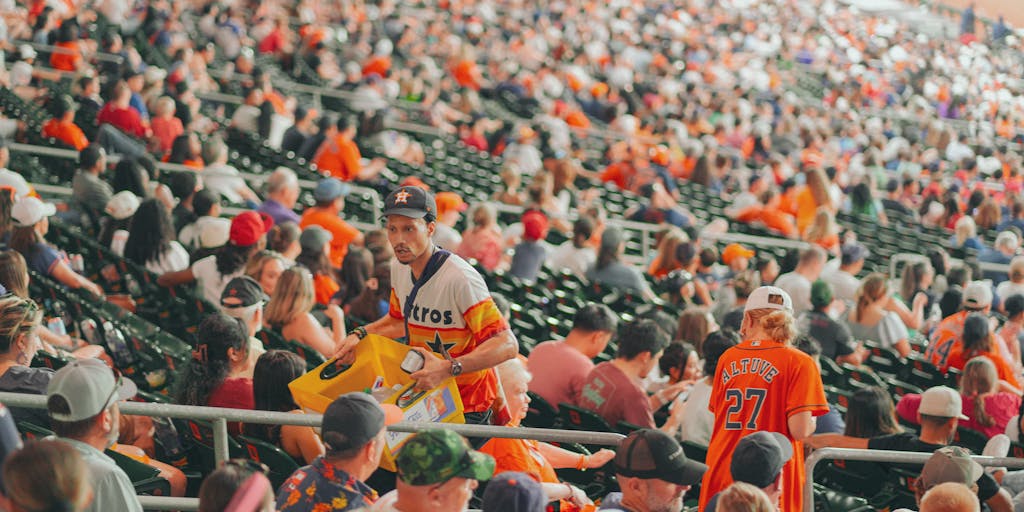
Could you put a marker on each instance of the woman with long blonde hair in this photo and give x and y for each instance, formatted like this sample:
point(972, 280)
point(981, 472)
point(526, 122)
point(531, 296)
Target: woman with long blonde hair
point(289, 312)
point(873, 318)
point(823, 231)
point(665, 260)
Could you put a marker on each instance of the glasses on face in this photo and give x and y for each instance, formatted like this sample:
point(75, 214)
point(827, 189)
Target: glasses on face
point(248, 465)
point(118, 380)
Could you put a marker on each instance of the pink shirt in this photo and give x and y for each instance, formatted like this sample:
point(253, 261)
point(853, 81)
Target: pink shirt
point(166, 130)
point(559, 372)
point(1001, 407)
point(484, 245)
point(616, 397)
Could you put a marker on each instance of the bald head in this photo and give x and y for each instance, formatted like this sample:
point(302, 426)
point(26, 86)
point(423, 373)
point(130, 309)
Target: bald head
point(950, 497)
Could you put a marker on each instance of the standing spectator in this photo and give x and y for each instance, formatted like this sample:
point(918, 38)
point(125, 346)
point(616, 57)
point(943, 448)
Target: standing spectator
point(798, 282)
point(46, 475)
point(62, 126)
point(437, 472)
point(609, 270)
point(353, 433)
point(834, 337)
point(89, 192)
point(613, 390)
point(440, 303)
point(449, 207)
point(246, 236)
point(780, 393)
point(82, 401)
point(282, 195)
point(653, 473)
point(482, 241)
point(529, 255)
point(844, 280)
point(330, 201)
point(758, 460)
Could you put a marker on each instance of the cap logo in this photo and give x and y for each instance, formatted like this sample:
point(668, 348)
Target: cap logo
point(402, 197)
point(776, 299)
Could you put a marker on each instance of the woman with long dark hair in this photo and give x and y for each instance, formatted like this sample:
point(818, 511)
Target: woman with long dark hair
point(871, 413)
point(212, 273)
point(185, 150)
point(274, 370)
point(219, 373)
point(978, 340)
point(151, 240)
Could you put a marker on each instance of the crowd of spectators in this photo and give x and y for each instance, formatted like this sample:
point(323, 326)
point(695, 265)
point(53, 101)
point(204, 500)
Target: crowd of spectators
point(793, 117)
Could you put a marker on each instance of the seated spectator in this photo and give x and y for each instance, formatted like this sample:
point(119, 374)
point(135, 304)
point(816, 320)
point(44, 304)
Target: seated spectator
point(560, 368)
point(62, 126)
point(939, 415)
point(237, 486)
point(207, 228)
point(114, 230)
point(151, 240)
point(950, 497)
point(326, 129)
point(439, 473)
point(1006, 247)
point(965, 235)
point(243, 300)
point(119, 113)
point(743, 283)
point(831, 421)
point(186, 150)
point(844, 279)
point(222, 178)
point(798, 282)
point(977, 340)
point(871, 413)
point(757, 462)
point(694, 325)
point(247, 235)
point(690, 419)
point(449, 208)
point(824, 232)
point(89, 192)
point(664, 260)
point(284, 240)
point(973, 297)
point(536, 459)
point(274, 370)
point(165, 125)
point(1015, 285)
point(872, 317)
point(183, 187)
point(339, 155)
point(652, 469)
point(282, 195)
point(330, 202)
point(315, 242)
point(46, 475)
point(917, 279)
point(609, 270)
point(266, 267)
point(68, 55)
point(530, 254)
point(612, 389)
point(659, 207)
point(219, 373)
point(302, 129)
point(289, 312)
point(989, 410)
point(31, 223)
point(834, 337)
point(679, 363)
point(513, 491)
point(482, 240)
point(949, 482)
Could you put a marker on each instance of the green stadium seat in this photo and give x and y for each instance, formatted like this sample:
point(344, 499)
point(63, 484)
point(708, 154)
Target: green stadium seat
point(281, 464)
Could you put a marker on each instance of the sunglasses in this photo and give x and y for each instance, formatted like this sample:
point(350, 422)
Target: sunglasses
point(248, 465)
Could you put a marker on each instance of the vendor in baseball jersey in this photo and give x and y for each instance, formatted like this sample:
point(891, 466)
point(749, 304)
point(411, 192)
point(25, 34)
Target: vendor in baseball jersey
point(441, 305)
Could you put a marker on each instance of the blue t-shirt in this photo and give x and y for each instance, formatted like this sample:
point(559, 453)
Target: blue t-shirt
point(43, 258)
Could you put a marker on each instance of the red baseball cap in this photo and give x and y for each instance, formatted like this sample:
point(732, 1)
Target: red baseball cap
point(248, 227)
point(535, 225)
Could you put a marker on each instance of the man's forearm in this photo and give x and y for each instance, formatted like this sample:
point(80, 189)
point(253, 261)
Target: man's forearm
point(495, 350)
point(387, 326)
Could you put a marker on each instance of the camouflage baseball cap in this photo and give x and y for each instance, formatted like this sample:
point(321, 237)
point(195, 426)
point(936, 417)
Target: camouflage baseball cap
point(436, 456)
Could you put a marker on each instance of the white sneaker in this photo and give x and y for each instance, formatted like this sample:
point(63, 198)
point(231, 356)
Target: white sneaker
point(998, 446)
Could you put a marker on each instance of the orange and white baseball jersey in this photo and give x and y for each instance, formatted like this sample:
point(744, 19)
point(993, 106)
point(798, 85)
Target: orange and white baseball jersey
point(452, 313)
point(758, 386)
point(949, 332)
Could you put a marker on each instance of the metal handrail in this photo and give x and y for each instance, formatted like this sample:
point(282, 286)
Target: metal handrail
point(219, 417)
point(883, 456)
point(109, 57)
point(256, 179)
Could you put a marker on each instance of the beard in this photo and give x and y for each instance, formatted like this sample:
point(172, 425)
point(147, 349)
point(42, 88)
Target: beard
point(658, 504)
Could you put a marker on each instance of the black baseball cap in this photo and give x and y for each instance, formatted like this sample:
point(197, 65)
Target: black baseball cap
point(242, 292)
point(354, 419)
point(412, 202)
point(650, 454)
point(759, 457)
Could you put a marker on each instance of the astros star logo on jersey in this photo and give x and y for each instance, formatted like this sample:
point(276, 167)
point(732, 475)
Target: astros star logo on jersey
point(440, 347)
point(402, 197)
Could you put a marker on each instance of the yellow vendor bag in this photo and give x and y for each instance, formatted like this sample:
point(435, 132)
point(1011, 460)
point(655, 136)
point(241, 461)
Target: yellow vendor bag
point(377, 370)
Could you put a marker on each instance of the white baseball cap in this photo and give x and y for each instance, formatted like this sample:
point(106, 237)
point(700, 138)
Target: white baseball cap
point(977, 295)
point(768, 297)
point(943, 402)
point(30, 210)
point(89, 387)
point(122, 205)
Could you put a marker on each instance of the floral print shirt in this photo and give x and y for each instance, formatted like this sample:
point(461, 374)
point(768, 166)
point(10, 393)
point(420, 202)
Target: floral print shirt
point(320, 487)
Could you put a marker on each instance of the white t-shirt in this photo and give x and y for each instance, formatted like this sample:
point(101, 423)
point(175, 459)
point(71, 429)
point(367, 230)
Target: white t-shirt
point(386, 503)
point(798, 288)
point(224, 180)
point(9, 178)
point(697, 422)
point(1007, 289)
point(175, 258)
point(209, 280)
point(447, 237)
point(575, 260)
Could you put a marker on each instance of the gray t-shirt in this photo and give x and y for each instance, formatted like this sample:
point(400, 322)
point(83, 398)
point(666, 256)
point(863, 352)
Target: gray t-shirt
point(22, 379)
point(886, 332)
point(618, 275)
point(527, 260)
point(89, 192)
point(112, 489)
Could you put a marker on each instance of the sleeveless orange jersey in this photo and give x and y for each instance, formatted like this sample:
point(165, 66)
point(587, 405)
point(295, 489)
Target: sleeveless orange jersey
point(758, 386)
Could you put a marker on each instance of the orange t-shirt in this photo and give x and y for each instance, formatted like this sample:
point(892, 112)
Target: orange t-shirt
point(957, 359)
point(759, 385)
point(324, 288)
point(520, 455)
point(343, 232)
point(806, 209)
point(339, 158)
point(67, 132)
point(65, 61)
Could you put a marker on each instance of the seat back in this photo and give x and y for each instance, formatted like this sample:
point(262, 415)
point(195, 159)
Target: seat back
point(280, 463)
point(146, 479)
point(578, 418)
point(541, 413)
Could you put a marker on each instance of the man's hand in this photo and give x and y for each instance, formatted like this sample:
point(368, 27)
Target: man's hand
point(346, 352)
point(435, 370)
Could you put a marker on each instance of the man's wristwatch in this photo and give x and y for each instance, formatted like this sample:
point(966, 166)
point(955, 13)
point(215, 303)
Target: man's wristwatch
point(360, 332)
point(456, 368)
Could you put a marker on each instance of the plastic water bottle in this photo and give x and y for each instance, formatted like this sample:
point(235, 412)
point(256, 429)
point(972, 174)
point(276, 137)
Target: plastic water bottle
point(167, 436)
point(87, 329)
point(118, 346)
